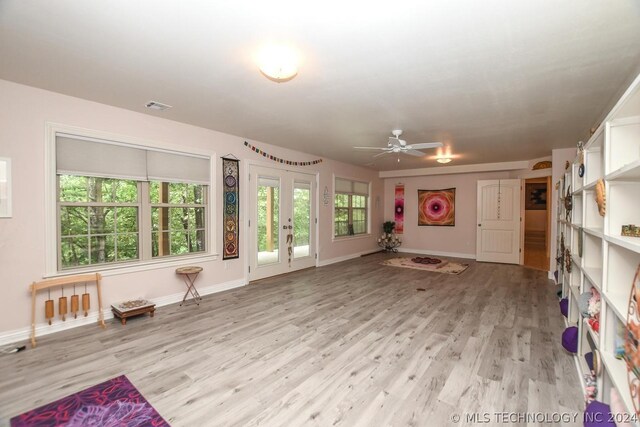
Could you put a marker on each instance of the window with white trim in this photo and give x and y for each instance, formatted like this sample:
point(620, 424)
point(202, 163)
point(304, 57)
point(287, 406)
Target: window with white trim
point(120, 203)
point(351, 207)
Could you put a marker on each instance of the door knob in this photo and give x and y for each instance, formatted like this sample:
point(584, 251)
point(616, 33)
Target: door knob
point(479, 225)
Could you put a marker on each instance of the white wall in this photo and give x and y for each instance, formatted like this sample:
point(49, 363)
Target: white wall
point(23, 113)
point(454, 241)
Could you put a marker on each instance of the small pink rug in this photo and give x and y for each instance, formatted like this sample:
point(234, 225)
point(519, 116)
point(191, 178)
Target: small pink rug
point(447, 267)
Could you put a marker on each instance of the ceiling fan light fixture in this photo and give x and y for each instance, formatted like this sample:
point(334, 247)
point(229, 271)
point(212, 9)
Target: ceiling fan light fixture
point(443, 159)
point(278, 63)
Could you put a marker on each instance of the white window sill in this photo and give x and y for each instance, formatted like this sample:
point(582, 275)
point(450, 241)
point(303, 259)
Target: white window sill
point(115, 270)
point(349, 238)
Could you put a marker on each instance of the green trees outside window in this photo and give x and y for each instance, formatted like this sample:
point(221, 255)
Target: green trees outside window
point(100, 220)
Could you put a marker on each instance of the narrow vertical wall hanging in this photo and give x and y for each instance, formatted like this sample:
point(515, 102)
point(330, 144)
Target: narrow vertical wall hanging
point(230, 208)
point(399, 209)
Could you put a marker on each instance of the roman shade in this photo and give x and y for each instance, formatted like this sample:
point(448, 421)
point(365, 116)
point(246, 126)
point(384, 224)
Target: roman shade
point(345, 186)
point(107, 159)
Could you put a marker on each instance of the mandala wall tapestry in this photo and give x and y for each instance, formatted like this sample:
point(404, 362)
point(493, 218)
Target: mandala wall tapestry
point(437, 207)
point(399, 215)
point(231, 208)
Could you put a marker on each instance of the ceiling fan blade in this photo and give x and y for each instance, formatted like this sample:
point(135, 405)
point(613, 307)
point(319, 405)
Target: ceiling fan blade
point(425, 145)
point(414, 153)
point(382, 154)
point(371, 148)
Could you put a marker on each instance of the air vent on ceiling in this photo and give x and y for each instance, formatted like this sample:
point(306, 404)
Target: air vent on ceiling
point(154, 105)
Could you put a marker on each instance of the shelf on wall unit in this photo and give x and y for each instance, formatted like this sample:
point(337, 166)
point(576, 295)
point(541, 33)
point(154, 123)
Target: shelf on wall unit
point(594, 335)
point(590, 186)
point(594, 275)
point(617, 370)
point(630, 243)
point(576, 226)
point(595, 232)
point(630, 172)
point(619, 303)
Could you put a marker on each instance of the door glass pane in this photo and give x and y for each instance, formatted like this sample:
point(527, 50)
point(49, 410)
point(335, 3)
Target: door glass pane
point(301, 219)
point(268, 220)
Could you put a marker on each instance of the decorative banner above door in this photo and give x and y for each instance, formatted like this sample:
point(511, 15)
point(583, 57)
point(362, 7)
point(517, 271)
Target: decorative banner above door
point(278, 159)
point(231, 208)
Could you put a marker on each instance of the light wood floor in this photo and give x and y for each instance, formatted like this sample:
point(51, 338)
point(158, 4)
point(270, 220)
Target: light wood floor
point(348, 344)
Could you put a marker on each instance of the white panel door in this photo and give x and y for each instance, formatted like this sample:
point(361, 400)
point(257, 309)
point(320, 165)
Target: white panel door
point(498, 237)
point(282, 226)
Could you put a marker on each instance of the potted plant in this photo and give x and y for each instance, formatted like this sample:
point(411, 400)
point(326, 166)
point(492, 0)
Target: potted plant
point(388, 227)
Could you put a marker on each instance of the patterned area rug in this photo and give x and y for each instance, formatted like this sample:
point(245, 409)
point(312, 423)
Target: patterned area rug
point(112, 403)
point(445, 266)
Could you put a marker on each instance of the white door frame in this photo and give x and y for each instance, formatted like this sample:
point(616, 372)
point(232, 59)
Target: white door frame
point(246, 199)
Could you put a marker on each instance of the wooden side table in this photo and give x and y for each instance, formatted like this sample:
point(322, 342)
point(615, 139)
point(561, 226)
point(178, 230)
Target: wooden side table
point(190, 274)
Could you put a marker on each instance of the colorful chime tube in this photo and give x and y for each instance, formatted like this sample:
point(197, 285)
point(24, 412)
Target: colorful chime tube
point(48, 308)
point(62, 306)
point(75, 303)
point(86, 301)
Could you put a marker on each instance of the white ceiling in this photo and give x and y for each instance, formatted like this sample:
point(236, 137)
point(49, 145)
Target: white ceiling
point(496, 80)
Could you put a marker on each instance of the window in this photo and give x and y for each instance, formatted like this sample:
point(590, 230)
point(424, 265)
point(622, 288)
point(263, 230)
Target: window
point(177, 218)
point(122, 204)
point(351, 207)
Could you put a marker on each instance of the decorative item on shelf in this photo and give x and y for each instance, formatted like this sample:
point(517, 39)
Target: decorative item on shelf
point(630, 230)
point(581, 158)
point(601, 197)
point(567, 260)
point(631, 347)
point(619, 340)
point(568, 204)
point(566, 165)
point(580, 239)
point(389, 241)
point(591, 387)
point(594, 362)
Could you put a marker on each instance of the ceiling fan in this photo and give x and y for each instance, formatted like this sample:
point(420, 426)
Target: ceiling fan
point(397, 145)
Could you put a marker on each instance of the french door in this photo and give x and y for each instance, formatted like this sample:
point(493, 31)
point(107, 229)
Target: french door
point(498, 237)
point(282, 224)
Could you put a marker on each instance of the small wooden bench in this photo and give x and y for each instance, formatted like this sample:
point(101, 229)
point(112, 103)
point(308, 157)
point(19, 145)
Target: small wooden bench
point(124, 313)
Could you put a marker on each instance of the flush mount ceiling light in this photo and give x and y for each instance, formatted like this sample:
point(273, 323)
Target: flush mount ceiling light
point(444, 155)
point(278, 63)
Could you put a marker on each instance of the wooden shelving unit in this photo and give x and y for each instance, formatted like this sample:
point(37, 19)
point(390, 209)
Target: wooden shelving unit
point(608, 261)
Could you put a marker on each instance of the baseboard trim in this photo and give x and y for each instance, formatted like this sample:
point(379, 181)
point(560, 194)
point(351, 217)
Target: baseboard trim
point(330, 261)
point(42, 329)
point(439, 253)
